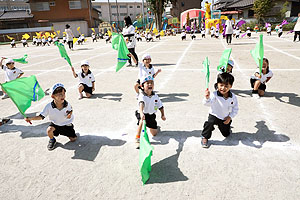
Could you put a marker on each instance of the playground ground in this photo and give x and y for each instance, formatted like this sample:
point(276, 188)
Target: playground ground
point(260, 160)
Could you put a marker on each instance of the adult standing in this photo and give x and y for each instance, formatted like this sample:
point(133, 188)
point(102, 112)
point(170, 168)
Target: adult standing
point(70, 36)
point(297, 28)
point(129, 35)
point(229, 30)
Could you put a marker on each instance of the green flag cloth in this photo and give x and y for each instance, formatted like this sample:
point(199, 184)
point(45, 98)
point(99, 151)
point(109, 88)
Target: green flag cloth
point(206, 70)
point(21, 60)
point(145, 155)
point(63, 52)
point(23, 91)
point(224, 59)
point(118, 43)
point(258, 53)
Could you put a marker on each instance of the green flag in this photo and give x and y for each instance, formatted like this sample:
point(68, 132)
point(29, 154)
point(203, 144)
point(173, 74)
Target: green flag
point(21, 60)
point(206, 70)
point(224, 59)
point(145, 155)
point(118, 43)
point(258, 53)
point(63, 52)
point(23, 91)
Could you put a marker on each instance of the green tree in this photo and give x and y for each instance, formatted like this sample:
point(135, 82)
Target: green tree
point(283, 10)
point(261, 8)
point(157, 6)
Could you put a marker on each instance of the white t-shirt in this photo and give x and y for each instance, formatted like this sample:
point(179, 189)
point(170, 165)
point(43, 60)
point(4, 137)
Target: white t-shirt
point(183, 34)
point(280, 30)
point(151, 103)
point(203, 32)
point(269, 29)
point(58, 117)
point(229, 28)
point(69, 34)
point(131, 42)
point(238, 32)
point(12, 42)
point(144, 71)
point(43, 40)
point(11, 74)
point(87, 80)
point(212, 31)
point(263, 76)
point(24, 41)
point(248, 31)
point(221, 107)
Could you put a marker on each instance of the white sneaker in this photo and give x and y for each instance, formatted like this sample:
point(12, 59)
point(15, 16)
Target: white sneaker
point(256, 96)
point(5, 96)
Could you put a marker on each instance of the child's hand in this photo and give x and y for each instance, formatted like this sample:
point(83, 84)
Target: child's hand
point(207, 93)
point(159, 70)
point(129, 55)
point(69, 115)
point(28, 120)
point(163, 117)
point(227, 120)
point(142, 116)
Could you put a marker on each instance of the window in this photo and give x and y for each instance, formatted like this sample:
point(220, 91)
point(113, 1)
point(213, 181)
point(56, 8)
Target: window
point(114, 14)
point(52, 3)
point(123, 6)
point(97, 6)
point(41, 6)
point(130, 7)
point(113, 6)
point(74, 5)
point(250, 13)
point(131, 14)
point(138, 6)
point(123, 14)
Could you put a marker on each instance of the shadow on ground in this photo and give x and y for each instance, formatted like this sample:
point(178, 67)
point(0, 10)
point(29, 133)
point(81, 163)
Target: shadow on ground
point(173, 97)
point(108, 96)
point(292, 98)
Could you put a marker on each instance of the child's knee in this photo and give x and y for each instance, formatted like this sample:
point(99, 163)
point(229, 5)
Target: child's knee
point(50, 129)
point(153, 131)
point(73, 139)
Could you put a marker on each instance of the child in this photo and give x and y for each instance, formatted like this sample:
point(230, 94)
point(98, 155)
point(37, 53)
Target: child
point(138, 37)
point(94, 37)
point(228, 70)
point(50, 39)
point(24, 42)
point(183, 35)
point(11, 72)
point(64, 39)
point(44, 41)
point(193, 35)
point(149, 37)
point(34, 40)
point(248, 32)
point(55, 39)
point(60, 115)
point(223, 107)
point(149, 103)
point(145, 69)
point(86, 80)
point(280, 31)
point(39, 42)
point(203, 32)
point(107, 38)
point(258, 82)
point(269, 29)
point(157, 36)
point(212, 32)
point(237, 32)
point(13, 44)
point(217, 33)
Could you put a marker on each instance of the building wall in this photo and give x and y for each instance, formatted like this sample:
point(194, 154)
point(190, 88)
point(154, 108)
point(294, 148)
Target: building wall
point(183, 5)
point(14, 5)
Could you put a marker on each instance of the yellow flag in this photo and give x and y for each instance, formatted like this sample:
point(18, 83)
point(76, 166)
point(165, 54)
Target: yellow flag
point(38, 35)
point(155, 31)
point(47, 34)
point(162, 33)
point(93, 30)
point(78, 29)
point(75, 40)
point(58, 32)
point(26, 36)
point(52, 35)
point(64, 33)
point(11, 38)
point(109, 33)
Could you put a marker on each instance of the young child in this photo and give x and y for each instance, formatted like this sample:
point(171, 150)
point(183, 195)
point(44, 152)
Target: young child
point(248, 32)
point(258, 82)
point(269, 29)
point(157, 36)
point(280, 31)
point(149, 103)
point(237, 32)
point(55, 39)
point(44, 41)
point(94, 37)
point(39, 42)
point(64, 38)
point(183, 35)
point(149, 37)
point(50, 39)
point(217, 33)
point(11, 72)
point(145, 69)
point(212, 32)
point(193, 35)
point(222, 70)
point(24, 42)
point(138, 36)
point(60, 115)
point(86, 80)
point(223, 107)
point(13, 44)
point(107, 38)
point(203, 32)
point(34, 40)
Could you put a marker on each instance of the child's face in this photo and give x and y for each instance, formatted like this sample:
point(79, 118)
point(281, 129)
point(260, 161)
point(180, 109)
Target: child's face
point(148, 86)
point(224, 88)
point(264, 67)
point(59, 97)
point(10, 65)
point(85, 68)
point(229, 69)
point(147, 61)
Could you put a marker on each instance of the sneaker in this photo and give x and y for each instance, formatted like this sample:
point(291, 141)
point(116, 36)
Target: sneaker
point(137, 143)
point(5, 96)
point(204, 143)
point(256, 96)
point(129, 65)
point(51, 144)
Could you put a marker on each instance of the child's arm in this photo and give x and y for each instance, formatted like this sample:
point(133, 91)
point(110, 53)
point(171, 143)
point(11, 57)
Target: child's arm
point(29, 119)
point(133, 58)
point(162, 111)
point(233, 112)
point(93, 87)
point(21, 74)
point(2, 58)
point(74, 73)
point(158, 71)
point(207, 100)
point(142, 118)
point(268, 79)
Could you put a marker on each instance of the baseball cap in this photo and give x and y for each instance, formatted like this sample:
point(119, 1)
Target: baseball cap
point(231, 63)
point(9, 60)
point(55, 86)
point(146, 56)
point(85, 62)
point(147, 78)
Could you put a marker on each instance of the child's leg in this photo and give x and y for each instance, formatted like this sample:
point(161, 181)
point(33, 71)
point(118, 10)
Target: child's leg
point(209, 127)
point(50, 132)
point(261, 93)
point(224, 128)
point(153, 131)
point(256, 85)
point(80, 89)
point(88, 95)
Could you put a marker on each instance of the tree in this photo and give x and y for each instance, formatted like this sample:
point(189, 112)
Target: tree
point(157, 6)
point(283, 10)
point(261, 8)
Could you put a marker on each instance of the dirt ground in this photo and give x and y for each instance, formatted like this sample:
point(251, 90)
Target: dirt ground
point(259, 160)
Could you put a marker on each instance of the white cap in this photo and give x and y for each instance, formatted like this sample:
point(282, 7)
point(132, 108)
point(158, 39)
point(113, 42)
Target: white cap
point(248, 27)
point(55, 86)
point(231, 63)
point(146, 56)
point(9, 60)
point(147, 78)
point(85, 62)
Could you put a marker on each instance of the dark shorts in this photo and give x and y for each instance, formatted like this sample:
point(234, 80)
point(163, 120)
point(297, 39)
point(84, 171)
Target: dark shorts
point(87, 89)
point(150, 120)
point(249, 34)
point(67, 130)
point(261, 86)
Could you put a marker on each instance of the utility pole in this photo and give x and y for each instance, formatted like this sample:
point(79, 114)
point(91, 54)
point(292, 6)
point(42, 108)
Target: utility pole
point(109, 12)
point(143, 21)
point(117, 14)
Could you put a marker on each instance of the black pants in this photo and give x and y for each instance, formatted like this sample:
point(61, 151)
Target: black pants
point(269, 33)
point(280, 34)
point(70, 43)
point(295, 36)
point(132, 51)
point(228, 38)
point(209, 127)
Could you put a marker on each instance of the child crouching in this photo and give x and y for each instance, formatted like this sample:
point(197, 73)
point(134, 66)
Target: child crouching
point(60, 115)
